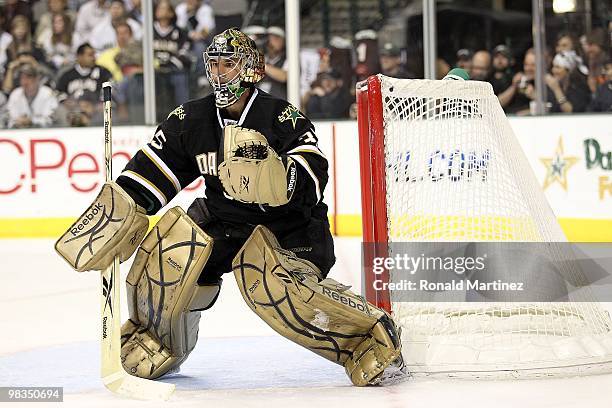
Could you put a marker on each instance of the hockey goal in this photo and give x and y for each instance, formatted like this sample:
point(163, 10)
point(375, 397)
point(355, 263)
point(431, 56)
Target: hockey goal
point(440, 163)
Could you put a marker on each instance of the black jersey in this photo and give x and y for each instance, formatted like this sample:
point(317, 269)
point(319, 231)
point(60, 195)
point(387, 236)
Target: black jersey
point(171, 48)
point(189, 144)
point(79, 82)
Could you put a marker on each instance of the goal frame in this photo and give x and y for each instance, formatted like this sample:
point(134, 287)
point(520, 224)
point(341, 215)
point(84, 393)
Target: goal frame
point(584, 346)
point(373, 186)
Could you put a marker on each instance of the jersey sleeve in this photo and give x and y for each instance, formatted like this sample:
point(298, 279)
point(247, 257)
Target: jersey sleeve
point(162, 168)
point(299, 142)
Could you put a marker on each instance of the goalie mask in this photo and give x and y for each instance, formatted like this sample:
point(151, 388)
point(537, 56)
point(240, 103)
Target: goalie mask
point(233, 63)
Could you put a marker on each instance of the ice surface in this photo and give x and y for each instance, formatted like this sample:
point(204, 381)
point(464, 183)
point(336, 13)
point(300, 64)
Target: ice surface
point(49, 330)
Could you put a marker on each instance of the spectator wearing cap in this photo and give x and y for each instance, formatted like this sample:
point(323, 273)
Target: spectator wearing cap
point(31, 104)
point(11, 79)
point(103, 35)
point(602, 101)
point(89, 16)
point(275, 81)
point(481, 66)
point(464, 59)
point(328, 98)
point(391, 62)
point(501, 76)
point(568, 84)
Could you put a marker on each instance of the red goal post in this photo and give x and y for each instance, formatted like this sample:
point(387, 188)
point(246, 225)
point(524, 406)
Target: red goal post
point(373, 188)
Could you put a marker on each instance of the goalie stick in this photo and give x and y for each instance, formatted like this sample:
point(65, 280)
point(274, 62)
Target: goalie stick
point(114, 377)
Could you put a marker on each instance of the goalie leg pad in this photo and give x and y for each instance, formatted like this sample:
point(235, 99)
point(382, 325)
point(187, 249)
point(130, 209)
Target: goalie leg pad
point(323, 316)
point(113, 225)
point(164, 299)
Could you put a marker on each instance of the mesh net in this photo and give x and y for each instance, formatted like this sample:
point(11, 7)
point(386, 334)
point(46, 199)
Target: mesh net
point(455, 172)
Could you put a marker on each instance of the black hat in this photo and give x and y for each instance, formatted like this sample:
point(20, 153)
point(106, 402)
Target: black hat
point(390, 50)
point(464, 54)
point(29, 70)
point(503, 50)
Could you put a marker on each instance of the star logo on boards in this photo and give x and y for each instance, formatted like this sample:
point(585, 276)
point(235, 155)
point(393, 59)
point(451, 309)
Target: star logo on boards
point(558, 166)
point(290, 113)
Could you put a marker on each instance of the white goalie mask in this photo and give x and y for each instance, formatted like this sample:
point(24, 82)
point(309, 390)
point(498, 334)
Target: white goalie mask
point(233, 63)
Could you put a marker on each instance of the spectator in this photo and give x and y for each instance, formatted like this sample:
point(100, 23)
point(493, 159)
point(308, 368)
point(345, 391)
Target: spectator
point(501, 77)
point(3, 111)
point(197, 19)
point(89, 16)
point(31, 104)
point(172, 59)
point(566, 42)
point(391, 62)
point(57, 41)
point(22, 41)
point(123, 33)
point(602, 102)
point(464, 59)
point(14, 8)
point(568, 84)
point(442, 68)
point(328, 97)
point(103, 35)
point(569, 42)
point(82, 82)
point(275, 81)
point(130, 93)
point(5, 40)
point(11, 79)
point(481, 66)
point(367, 54)
point(228, 13)
point(44, 25)
point(596, 55)
point(135, 12)
point(523, 87)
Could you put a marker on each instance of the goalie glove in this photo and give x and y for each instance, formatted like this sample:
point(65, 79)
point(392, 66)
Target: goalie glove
point(252, 171)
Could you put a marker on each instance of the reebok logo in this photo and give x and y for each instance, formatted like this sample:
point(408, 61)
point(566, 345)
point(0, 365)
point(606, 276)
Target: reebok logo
point(104, 327)
point(345, 300)
point(292, 180)
point(254, 286)
point(87, 218)
point(174, 264)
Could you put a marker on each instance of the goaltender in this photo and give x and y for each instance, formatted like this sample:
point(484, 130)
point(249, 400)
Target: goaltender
point(262, 217)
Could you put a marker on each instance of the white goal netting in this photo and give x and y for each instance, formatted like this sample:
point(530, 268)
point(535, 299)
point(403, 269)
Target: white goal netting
point(455, 172)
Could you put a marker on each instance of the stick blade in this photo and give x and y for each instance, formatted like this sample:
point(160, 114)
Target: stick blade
point(121, 383)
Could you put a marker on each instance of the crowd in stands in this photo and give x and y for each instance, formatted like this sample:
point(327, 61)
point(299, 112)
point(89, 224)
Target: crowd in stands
point(578, 75)
point(56, 54)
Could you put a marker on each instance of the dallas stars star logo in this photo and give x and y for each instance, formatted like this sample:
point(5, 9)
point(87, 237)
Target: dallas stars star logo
point(290, 113)
point(558, 166)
